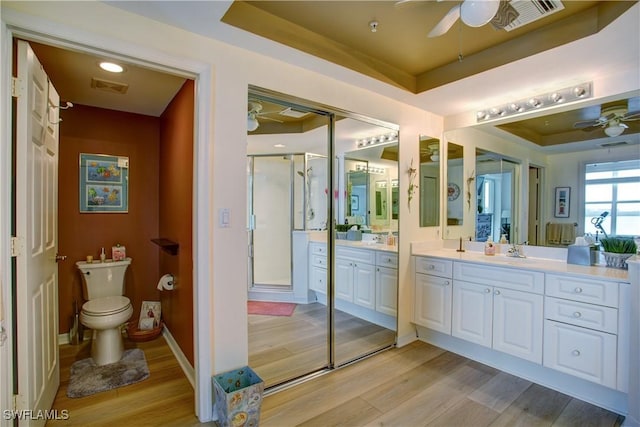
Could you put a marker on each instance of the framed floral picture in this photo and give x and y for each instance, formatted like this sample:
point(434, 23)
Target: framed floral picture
point(563, 195)
point(104, 183)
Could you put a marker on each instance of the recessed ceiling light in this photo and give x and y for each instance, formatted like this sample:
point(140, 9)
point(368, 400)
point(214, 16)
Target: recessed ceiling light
point(111, 67)
point(279, 145)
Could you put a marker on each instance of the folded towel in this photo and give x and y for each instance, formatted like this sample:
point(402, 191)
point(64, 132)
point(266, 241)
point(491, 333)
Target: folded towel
point(553, 234)
point(567, 234)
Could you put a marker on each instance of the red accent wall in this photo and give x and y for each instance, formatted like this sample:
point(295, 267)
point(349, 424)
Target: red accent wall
point(98, 131)
point(176, 212)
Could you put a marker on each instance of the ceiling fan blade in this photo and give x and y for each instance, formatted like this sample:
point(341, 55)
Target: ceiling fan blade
point(269, 118)
point(446, 22)
point(585, 124)
point(631, 115)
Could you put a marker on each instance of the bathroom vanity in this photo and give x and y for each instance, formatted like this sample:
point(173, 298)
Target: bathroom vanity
point(366, 279)
point(564, 326)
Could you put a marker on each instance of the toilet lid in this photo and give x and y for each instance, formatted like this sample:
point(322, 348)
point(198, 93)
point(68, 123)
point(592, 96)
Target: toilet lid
point(106, 305)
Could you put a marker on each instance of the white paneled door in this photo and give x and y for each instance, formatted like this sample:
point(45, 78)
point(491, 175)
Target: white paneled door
point(36, 237)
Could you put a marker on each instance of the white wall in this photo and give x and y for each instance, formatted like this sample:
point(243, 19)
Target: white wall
point(225, 75)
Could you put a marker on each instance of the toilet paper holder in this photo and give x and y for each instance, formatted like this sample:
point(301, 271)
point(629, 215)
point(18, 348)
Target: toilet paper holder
point(166, 283)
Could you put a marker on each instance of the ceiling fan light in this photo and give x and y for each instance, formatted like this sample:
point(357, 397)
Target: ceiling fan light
point(479, 12)
point(614, 130)
point(252, 123)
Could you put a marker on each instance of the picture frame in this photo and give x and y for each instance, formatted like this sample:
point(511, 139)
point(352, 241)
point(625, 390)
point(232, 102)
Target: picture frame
point(562, 202)
point(355, 203)
point(150, 315)
point(104, 183)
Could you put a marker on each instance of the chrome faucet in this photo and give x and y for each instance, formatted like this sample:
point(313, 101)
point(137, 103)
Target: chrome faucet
point(515, 251)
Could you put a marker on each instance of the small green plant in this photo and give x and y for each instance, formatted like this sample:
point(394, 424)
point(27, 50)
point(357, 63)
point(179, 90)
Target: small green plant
point(618, 245)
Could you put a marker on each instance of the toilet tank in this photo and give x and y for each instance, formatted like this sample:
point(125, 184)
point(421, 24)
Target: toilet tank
point(103, 279)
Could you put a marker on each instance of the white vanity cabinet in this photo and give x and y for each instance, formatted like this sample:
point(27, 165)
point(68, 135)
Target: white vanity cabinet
point(365, 283)
point(499, 308)
point(432, 303)
point(581, 326)
point(387, 283)
point(318, 267)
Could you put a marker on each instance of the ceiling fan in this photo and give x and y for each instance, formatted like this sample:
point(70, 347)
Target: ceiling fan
point(476, 13)
point(611, 120)
point(255, 111)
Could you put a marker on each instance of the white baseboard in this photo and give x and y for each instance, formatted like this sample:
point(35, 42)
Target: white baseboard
point(188, 370)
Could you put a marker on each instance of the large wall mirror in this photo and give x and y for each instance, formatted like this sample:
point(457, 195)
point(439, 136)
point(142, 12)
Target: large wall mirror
point(497, 181)
point(429, 185)
point(455, 185)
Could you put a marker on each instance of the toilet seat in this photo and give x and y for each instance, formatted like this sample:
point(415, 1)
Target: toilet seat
point(106, 306)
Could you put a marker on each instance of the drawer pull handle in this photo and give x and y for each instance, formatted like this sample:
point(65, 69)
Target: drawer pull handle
point(446, 283)
point(576, 352)
point(496, 292)
point(578, 290)
point(577, 314)
point(431, 266)
point(389, 260)
point(487, 291)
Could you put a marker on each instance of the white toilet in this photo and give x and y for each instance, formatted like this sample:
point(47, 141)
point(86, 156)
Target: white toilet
point(106, 308)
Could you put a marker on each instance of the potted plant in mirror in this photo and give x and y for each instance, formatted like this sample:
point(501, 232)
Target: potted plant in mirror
point(616, 251)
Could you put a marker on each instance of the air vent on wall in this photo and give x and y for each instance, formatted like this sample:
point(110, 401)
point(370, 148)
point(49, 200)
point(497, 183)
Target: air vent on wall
point(532, 10)
point(290, 112)
point(109, 86)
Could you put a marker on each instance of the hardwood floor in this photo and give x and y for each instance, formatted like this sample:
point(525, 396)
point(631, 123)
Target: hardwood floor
point(422, 385)
point(166, 398)
point(416, 385)
point(282, 348)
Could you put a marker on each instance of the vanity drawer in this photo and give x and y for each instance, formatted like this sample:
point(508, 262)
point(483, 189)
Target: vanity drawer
point(434, 266)
point(581, 289)
point(386, 259)
point(580, 352)
point(359, 255)
point(319, 261)
point(578, 313)
point(318, 248)
point(511, 278)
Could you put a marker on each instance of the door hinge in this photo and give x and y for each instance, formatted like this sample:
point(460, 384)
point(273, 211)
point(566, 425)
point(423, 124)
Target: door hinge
point(18, 402)
point(16, 246)
point(16, 87)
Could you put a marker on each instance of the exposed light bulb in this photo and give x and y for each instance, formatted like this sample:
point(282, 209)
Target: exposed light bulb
point(252, 123)
point(614, 129)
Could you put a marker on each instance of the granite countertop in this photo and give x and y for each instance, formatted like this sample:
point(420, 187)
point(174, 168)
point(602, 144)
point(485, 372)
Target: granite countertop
point(529, 263)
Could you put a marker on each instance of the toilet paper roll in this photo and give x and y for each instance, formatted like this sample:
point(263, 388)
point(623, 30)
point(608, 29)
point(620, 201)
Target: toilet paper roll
point(166, 283)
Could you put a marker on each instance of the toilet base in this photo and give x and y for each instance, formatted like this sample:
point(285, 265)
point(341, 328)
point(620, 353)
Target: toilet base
point(107, 346)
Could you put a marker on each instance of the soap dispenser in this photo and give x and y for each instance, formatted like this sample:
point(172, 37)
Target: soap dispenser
point(489, 247)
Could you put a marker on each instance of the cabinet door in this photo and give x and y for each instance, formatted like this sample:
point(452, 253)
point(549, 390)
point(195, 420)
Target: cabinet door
point(517, 323)
point(472, 312)
point(344, 279)
point(580, 352)
point(318, 280)
point(387, 290)
point(433, 303)
point(364, 285)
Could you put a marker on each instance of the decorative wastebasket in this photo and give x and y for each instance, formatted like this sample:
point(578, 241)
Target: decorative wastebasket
point(238, 395)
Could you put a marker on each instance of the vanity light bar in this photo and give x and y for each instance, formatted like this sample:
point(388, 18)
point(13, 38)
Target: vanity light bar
point(569, 94)
point(370, 169)
point(377, 140)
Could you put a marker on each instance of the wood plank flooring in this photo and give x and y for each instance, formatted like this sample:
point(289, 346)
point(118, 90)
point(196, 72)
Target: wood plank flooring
point(166, 398)
point(286, 347)
point(422, 385)
point(416, 385)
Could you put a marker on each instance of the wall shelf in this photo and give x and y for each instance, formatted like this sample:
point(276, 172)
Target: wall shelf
point(167, 245)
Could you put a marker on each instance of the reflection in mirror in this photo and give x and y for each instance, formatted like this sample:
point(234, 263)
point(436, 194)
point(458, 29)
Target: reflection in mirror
point(357, 202)
point(381, 199)
point(455, 184)
point(429, 181)
point(496, 184)
point(395, 199)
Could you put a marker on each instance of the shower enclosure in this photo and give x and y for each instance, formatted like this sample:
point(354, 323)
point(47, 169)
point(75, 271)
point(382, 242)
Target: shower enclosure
point(284, 196)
